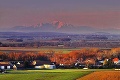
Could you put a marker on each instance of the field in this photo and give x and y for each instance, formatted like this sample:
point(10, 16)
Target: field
point(102, 75)
point(17, 49)
point(68, 74)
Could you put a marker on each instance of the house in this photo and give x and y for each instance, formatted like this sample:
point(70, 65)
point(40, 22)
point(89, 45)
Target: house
point(17, 65)
point(43, 64)
point(115, 60)
point(49, 66)
point(5, 65)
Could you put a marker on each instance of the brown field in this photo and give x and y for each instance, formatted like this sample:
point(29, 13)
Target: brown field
point(19, 49)
point(102, 75)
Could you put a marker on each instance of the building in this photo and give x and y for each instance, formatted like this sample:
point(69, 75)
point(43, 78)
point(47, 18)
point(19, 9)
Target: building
point(5, 65)
point(116, 60)
point(49, 66)
point(43, 65)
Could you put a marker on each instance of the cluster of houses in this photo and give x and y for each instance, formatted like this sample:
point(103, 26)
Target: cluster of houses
point(16, 65)
point(37, 64)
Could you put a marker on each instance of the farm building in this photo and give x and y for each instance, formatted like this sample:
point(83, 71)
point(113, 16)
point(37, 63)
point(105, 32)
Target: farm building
point(5, 65)
point(43, 65)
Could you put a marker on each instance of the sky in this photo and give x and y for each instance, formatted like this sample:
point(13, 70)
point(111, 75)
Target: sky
point(94, 13)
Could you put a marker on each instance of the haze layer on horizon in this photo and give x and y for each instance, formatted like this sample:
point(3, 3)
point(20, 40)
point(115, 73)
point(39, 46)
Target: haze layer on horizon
point(94, 13)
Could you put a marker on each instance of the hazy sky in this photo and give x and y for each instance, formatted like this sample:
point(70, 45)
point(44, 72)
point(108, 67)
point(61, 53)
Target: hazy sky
point(94, 13)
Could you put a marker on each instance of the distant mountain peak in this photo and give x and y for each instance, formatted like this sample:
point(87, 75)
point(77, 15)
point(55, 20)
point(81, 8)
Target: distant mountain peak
point(58, 24)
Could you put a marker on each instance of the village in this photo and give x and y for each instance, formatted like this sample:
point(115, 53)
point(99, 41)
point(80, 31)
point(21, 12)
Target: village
point(79, 59)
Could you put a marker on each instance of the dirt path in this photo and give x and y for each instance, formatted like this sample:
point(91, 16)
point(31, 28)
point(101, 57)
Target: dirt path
point(102, 75)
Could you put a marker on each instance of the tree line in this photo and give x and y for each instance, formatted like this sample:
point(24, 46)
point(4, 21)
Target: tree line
point(86, 56)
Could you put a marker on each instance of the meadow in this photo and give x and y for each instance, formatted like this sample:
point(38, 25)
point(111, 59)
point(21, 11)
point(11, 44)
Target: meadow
point(58, 74)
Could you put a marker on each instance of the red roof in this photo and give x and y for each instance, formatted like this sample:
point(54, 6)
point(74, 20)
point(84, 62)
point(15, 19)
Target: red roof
point(115, 59)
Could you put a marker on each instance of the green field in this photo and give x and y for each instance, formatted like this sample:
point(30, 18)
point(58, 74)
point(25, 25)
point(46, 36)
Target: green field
point(69, 74)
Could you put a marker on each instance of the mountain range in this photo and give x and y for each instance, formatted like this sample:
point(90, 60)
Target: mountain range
point(58, 26)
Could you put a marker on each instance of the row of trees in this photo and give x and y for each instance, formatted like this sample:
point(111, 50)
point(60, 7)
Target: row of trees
point(22, 56)
point(87, 56)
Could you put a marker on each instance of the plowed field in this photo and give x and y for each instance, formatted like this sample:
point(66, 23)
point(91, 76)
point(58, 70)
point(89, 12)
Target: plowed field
point(102, 75)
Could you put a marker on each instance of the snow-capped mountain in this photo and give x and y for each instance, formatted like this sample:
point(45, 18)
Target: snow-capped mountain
point(58, 26)
point(51, 27)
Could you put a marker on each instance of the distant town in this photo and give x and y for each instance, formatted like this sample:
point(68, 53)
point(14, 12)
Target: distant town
point(58, 40)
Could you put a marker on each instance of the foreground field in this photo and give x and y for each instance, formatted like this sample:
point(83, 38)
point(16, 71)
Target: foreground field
point(102, 75)
point(44, 75)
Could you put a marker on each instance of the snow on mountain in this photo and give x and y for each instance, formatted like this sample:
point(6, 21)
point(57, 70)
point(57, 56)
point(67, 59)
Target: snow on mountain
point(58, 26)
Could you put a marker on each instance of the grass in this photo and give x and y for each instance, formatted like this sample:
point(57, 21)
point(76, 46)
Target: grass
point(44, 74)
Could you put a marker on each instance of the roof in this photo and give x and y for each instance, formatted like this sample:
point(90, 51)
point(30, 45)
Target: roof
point(115, 59)
point(4, 64)
point(38, 62)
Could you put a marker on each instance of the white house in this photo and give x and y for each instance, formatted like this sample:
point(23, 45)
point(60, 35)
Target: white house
point(43, 65)
point(5, 65)
point(49, 66)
